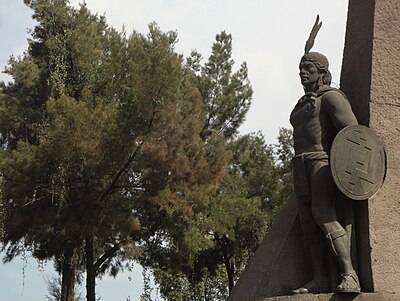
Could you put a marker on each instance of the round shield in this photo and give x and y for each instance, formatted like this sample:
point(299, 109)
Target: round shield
point(358, 162)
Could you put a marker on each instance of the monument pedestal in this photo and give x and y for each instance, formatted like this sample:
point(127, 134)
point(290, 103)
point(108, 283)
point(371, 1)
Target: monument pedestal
point(337, 297)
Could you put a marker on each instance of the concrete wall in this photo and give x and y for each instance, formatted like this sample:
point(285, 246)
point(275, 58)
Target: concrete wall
point(384, 209)
point(280, 263)
point(370, 78)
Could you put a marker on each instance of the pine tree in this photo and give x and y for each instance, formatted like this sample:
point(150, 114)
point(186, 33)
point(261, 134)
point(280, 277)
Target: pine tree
point(284, 152)
point(208, 252)
point(227, 94)
point(101, 142)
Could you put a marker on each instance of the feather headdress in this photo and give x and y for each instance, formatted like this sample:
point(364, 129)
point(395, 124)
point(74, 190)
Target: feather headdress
point(320, 60)
point(313, 34)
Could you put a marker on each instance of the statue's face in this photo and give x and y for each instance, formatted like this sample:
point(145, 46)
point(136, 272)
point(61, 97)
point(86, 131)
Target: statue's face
point(308, 73)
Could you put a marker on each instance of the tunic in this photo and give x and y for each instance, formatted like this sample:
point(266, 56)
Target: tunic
point(316, 119)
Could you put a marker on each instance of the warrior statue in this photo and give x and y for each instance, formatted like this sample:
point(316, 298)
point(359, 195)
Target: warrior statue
point(316, 119)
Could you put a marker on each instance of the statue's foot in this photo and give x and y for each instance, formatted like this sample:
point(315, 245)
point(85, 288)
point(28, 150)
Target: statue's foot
point(312, 287)
point(349, 284)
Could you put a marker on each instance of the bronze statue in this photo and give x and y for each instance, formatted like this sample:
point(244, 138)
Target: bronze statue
point(316, 119)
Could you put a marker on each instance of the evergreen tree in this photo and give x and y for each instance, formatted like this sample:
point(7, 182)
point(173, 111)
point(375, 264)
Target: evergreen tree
point(225, 231)
point(227, 94)
point(102, 145)
point(284, 152)
point(226, 97)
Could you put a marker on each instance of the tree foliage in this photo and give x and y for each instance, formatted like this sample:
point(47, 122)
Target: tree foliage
point(115, 147)
point(102, 143)
point(284, 152)
point(227, 94)
point(225, 232)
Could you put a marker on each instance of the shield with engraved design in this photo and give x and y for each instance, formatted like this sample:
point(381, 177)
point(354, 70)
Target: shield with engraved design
point(358, 162)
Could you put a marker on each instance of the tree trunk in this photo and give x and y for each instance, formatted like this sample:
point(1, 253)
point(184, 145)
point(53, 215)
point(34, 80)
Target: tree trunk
point(229, 261)
point(90, 270)
point(68, 275)
point(230, 270)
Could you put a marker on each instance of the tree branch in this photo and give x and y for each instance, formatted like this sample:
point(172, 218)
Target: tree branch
point(109, 253)
point(131, 158)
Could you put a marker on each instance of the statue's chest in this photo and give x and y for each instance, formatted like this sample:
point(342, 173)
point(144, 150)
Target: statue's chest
point(307, 113)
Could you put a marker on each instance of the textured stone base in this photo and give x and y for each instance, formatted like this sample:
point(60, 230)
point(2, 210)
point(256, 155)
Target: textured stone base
point(337, 297)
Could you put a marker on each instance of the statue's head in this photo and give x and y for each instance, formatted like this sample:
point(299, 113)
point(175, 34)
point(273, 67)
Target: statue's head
point(322, 65)
point(320, 74)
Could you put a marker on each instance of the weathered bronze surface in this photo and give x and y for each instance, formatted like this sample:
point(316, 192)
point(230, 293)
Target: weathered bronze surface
point(316, 119)
point(369, 79)
point(358, 162)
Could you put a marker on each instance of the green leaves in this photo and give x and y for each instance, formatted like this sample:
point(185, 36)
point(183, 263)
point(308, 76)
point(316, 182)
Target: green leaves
point(103, 138)
point(86, 130)
point(114, 147)
point(227, 94)
point(215, 244)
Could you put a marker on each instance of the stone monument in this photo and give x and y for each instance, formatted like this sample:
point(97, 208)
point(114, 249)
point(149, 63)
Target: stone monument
point(331, 151)
point(370, 80)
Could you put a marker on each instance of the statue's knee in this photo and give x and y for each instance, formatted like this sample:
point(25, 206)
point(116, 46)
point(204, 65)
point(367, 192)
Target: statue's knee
point(322, 216)
point(318, 215)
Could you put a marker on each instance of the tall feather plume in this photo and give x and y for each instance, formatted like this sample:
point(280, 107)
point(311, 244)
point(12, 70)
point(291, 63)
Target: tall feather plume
point(313, 34)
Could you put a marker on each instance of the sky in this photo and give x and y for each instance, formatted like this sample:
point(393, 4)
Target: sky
point(269, 35)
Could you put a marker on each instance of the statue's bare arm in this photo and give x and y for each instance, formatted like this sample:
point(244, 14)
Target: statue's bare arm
point(338, 109)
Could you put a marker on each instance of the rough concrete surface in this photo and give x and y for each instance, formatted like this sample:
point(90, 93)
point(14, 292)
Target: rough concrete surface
point(337, 297)
point(372, 84)
point(384, 209)
point(280, 263)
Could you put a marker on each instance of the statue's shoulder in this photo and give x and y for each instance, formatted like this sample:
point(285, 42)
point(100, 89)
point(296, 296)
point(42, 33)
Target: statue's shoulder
point(327, 91)
point(332, 96)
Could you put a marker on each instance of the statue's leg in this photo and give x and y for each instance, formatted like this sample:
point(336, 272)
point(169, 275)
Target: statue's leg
point(315, 240)
point(323, 194)
point(311, 230)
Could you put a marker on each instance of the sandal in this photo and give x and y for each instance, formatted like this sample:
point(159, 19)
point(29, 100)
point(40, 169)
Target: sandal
point(349, 284)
